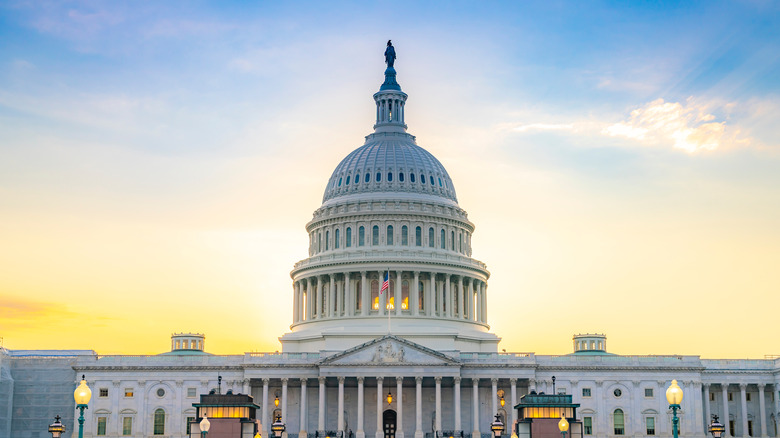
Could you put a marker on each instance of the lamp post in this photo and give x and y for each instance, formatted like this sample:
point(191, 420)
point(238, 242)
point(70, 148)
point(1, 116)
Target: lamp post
point(205, 425)
point(563, 425)
point(81, 395)
point(674, 395)
point(497, 427)
point(57, 428)
point(278, 428)
point(716, 428)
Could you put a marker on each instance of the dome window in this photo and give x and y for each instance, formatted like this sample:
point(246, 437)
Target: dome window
point(367, 178)
point(378, 176)
point(389, 176)
point(347, 180)
point(327, 240)
point(430, 237)
point(443, 237)
point(390, 235)
point(432, 183)
point(337, 240)
point(375, 236)
point(411, 175)
point(422, 178)
point(417, 236)
point(339, 182)
point(405, 235)
point(439, 181)
point(361, 236)
point(357, 178)
point(349, 234)
point(401, 176)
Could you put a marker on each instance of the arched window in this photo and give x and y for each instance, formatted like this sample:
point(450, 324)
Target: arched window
point(327, 240)
point(401, 176)
point(357, 178)
point(375, 236)
point(439, 182)
point(367, 178)
point(339, 182)
point(359, 295)
point(443, 239)
point(618, 421)
point(404, 235)
point(418, 236)
point(319, 242)
point(378, 176)
point(460, 242)
point(390, 235)
point(430, 237)
point(431, 177)
point(159, 422)
point(452, 241)
point(411, 175)
point(422, 178)
point(337, 236)
point(404, 295)
point(389, 176)
point(421, 296)
point(347, 183)
point(361, 236)
point(374, 295)
point(349, 237)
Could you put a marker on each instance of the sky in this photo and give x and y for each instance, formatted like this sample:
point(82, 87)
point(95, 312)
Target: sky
point(620, 160)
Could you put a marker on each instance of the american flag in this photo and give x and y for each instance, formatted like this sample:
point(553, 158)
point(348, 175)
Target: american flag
point(386, 283)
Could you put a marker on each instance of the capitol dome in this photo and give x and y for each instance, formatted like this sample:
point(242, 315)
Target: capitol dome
point(389, 250)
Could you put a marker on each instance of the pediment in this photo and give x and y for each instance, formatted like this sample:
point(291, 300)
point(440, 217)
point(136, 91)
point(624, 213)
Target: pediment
point(389, 350)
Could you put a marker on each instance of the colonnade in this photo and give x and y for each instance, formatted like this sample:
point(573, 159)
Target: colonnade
point(390, 109)
point(394, 386)
point(347, 294)
point(741, 418)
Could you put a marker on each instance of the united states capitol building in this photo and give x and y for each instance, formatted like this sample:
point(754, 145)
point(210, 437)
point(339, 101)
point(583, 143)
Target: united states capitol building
point(414, 360)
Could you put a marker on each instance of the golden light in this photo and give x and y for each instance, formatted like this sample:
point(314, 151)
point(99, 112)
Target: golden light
point(376, 303)
point(205, 424)
point(276, 401)
point(391, 303)
point(257, 435)
point(563, 425)
point(389, 397)
point(674, 394)
point(82, 394)
point(502, 401)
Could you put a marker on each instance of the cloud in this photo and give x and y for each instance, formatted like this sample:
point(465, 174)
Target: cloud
point(688, 126)
point(544, 127)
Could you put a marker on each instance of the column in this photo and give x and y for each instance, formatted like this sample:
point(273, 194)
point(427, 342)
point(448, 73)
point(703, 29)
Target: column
point(284, 399)
point(321, 408)
point(303, 428)
point(379, 432)
point(635, 421)
point(399, 387)
point(478, 304)
point(418, 433)
point(762, 407)
point(448, 295)
point(456, 399)
point(483, 286)
point(360, 408)
point(460, 297)
point(475, 408)
point(438, 403)
point(246, 389)
point(398, 300)
point(415, 298)
point(296, 299)
point(493, 396)
point(339, 298)
point(471, 312)
point(348, 299)
point(309, 300)
point(725, 391)
point(382, 298)
point(513, 394)
point(743, 408)
point(318, 300)
point(331, 295)
point(340, 415)
point(265, 418)
point(365, 300)
point(430, 302)
point(707, 412)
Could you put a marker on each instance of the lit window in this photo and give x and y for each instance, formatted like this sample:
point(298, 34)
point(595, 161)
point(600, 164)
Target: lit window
point(404, 235)
point(101, 426)
point(103, 392)
point(349, 237)
point(127, 426)
point(129, 392)
point(586, 392)
point(648, 392)
point(159, 422)
point(418, 236)
point(390, 235)
point(361, 236)
point(618, 422)
point(191, 392)
point(404, 295)
point(587, 425)
point(374, 294)
point(375, 235)
point(650, 425)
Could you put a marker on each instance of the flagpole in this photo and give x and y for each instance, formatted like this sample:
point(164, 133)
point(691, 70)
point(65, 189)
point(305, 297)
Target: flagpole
point(387, 300)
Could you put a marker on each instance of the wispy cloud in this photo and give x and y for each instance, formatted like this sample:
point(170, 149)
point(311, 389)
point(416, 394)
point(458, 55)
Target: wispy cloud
point(544, 127)
point(688, 126)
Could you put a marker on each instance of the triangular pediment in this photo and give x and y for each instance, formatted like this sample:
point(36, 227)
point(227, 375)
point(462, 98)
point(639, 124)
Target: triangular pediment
point(389, 350)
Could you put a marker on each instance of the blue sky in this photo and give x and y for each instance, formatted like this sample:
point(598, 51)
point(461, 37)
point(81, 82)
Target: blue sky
point(171, 152)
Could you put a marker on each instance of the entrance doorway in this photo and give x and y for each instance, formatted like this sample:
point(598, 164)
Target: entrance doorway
point(388, 421)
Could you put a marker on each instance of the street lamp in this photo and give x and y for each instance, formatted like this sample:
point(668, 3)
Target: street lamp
point(278, 428)
point(563, 425)
point(205, 425)
point(82, 394)
point(389, 397)
point(674, 395)
point(57, 428)
point(716, 429)
point(497, 427)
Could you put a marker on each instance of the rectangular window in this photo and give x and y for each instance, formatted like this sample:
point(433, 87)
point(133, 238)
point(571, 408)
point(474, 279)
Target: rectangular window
point(731, 397)
point(128, 392)
point(731, 428)
point(191, 392)
point(190, 420)
point(747, 396)
point(103, 392)
point(101, 426)
point(650, 425)
point(587, 425)
point(586, 392)
point(560, 391)
point(750, 427)
point(648, 392)
point(712, 396)
point(127, 426)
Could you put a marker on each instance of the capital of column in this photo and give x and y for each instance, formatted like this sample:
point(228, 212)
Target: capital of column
point(600, 383)
point(725, 386)
point(513, 381)
point(574, 382)
point(494, 380)
point(457, 380)
point(707, 385)
point(761, 386)
point(284, 380)
point(399, 379)
point(266, 380)
point(341, 380)
point(742, 386)
point(360, 379)
point(380, 379)
point(322, 379)
point(636, 383)
point(418, 379)
point(304, 380)
point(437, 379)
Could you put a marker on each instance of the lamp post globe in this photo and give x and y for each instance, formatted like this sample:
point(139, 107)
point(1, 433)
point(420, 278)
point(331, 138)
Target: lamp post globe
point(205, 425)
point(674, 395)
point(716, 428)
point(497, 427)
point(57, 428)
point(81, 395)
point(563, 425)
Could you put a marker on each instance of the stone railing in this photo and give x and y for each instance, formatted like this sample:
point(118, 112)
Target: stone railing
point(401, 255)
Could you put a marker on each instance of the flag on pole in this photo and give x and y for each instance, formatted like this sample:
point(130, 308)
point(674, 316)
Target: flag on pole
point(386, 283)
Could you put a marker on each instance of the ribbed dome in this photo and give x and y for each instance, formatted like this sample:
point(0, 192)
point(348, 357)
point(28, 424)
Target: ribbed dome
point(390, 162)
